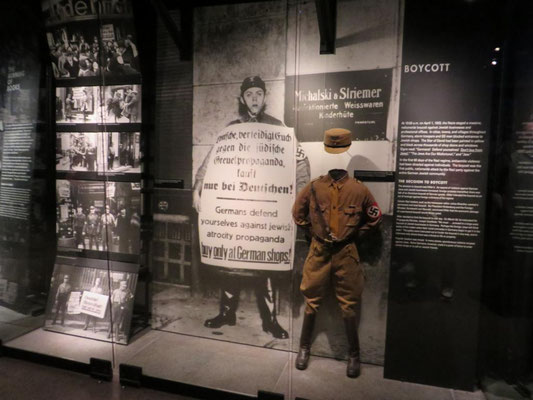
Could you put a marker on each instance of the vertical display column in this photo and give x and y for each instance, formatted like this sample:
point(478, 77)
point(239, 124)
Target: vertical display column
point(442, 156)
point(98, 115)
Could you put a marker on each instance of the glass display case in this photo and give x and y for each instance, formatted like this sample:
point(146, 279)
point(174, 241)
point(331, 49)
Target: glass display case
point(271, 199)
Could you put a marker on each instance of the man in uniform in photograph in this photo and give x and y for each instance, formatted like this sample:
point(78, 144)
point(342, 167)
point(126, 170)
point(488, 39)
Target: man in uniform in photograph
point(123, 228)
point(84, 103)
point(252, 108)
point(61, 299)
point(79, 150)
point(135, 229)
point(59, 105)
point(90, 157)
point(69, 107)
point(131, 105)
point(130, 54)
point(336, 209)
point(115, 105)
point(120, 305)
point(92, 228)
point(80, 220)
point(110, 156)
point(97, 288)
point(108, 224)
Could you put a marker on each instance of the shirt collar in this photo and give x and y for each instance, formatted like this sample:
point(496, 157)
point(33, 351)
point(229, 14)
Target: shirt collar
point(340, 182)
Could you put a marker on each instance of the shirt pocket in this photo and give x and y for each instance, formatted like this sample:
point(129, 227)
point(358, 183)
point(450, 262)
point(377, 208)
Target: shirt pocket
point(320, 214)
point(352, 215)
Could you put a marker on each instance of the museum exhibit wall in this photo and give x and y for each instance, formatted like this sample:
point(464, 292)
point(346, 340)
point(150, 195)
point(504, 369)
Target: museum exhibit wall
point(507, 307)
point(441, 126)
point(27, 241)
point(283, 46)
point(431, 92)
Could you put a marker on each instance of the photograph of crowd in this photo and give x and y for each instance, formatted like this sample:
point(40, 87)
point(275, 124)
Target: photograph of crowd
point(101, 152)
point(96, 105)
point(100, 216)
point(90, 300)
point(79, 50)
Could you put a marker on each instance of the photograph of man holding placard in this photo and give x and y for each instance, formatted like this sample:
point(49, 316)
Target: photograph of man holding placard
point(251, 140)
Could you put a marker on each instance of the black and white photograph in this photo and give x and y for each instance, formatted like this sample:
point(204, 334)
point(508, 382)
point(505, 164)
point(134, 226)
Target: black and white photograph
point(263, 306)
point(84, 49)
point(122, 104)
point(99, 216)
point(98, 105)
point(110, 153)
point(87, 299)
point(78, 105)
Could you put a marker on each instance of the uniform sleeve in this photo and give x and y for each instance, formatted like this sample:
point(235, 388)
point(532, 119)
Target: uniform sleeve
point(300, 209)
point(200, 174)
point(371, 213)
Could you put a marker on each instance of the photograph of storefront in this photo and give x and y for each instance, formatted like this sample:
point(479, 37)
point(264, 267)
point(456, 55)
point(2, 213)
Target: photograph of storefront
point(90, 301)
point(98, 105)
point(103, 216)
point(101, 152)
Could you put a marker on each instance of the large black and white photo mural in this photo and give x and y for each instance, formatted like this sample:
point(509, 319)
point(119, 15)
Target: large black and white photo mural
point(261, 102)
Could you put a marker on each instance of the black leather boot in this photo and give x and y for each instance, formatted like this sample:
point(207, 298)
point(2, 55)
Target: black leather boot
point(272, 326)
point(267, 294)
point(302, 359)
point(353, 369)
point(227, 315)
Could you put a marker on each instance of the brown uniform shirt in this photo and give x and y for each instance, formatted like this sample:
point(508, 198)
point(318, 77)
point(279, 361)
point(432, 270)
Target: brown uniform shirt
point(347, 205)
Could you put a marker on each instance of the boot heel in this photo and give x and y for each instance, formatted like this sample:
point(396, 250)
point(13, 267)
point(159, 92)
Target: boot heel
point(302, 359)
point(353, 370)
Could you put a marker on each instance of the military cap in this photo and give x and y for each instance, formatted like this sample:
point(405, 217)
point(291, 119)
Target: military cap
point(252, 81)
point(337, 140)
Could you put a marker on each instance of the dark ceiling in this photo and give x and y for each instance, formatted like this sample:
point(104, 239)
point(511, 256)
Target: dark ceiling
point(174, 4)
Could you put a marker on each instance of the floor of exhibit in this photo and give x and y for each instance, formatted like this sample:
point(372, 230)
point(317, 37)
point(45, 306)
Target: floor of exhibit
point(49, 383)
point(235, 367)
point(14, 324)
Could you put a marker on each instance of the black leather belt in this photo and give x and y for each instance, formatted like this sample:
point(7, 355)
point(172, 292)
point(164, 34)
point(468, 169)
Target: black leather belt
point(334, 243)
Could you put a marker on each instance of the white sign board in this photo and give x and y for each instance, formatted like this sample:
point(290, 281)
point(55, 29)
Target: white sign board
point(94, 304)
point(247, 194)
point(73, 305)
point(107, 33)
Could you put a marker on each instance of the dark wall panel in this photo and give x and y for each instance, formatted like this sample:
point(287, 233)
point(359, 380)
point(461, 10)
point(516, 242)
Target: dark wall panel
point(173, 124)
point(440, 198)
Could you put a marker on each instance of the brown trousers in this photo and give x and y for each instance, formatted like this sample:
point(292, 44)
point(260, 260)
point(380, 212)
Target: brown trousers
point(340, 264)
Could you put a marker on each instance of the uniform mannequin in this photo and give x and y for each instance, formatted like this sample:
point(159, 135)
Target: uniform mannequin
point(336, 209)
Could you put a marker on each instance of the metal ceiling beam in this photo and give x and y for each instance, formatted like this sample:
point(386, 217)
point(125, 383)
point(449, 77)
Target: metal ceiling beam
point(182, 37)
point(326, 11)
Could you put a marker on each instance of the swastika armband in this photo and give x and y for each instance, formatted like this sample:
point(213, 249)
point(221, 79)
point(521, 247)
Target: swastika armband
point(373, 211)
point(300, 153)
